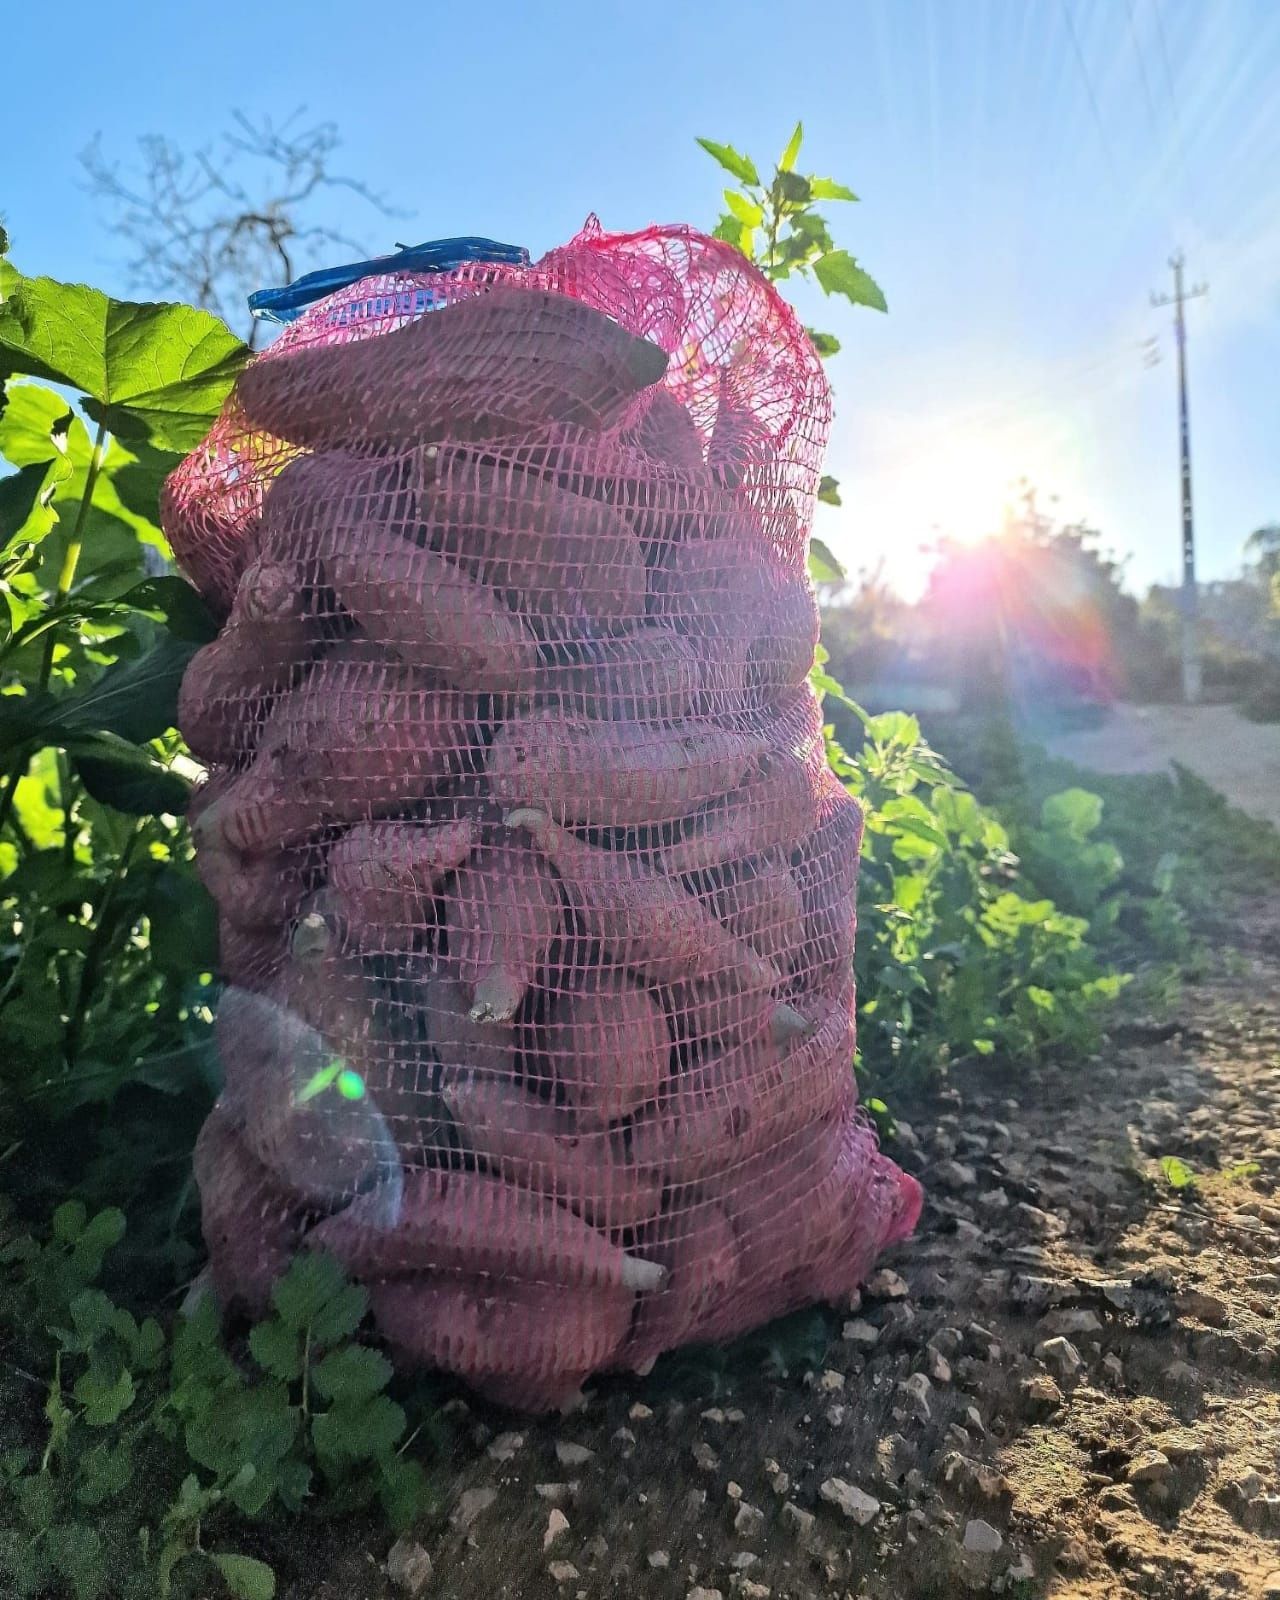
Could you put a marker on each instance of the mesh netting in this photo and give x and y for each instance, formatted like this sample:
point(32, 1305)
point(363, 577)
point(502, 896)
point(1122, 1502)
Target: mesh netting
point(536, 894)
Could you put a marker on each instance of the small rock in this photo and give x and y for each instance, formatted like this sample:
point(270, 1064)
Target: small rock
point(572, 1455)
point(973, 1420)
point(1247, 1487)
point(1022, 1571)
point(471, 1502)
point(860, 1333)
point(713, 1414)
point(1061, 1355)
point(1179, 1444)
point(830, 1381)
point(700, 1593)
point(1069, 1320)
point(798, 1520)
point(1179, 1372)
point(969, 1233)
point(779, 1481)
point(596, 1549)
point(744, 1560)
point(557, 1523)
point(1152, 1466)
point(563, 1571)
point(1041, 1392)
point(1113, 1366)
point(623, 1436)
point(1042, 1223)
point(409, 1566)
point(972, 1477)
point(734, 1415)
point(705, 1457)
point(954, 1175)
point(853, 1502)
point(659, 1560)
point(748, 1521)
point(886, 1285)
point(1204, 1307)
point(749, 1589)
point(505, 1446)
point(981, 1539)
point(994, 1200)
point(640, 1412)
point(556, 1493)
point(918, 1390)
point(938, 1367)
point(835, 1416)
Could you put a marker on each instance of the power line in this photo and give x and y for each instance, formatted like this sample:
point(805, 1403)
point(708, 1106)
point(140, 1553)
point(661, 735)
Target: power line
point(1180, 144)
point(1142, 68)
point(1093, 99)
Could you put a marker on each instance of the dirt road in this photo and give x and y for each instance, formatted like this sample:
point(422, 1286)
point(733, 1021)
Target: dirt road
point(1067, 1385)
point(1240, 758)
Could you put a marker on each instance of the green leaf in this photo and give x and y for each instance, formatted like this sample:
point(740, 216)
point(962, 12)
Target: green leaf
point(135, 700)
point(104, 1400)
point(24, 505)
point(76, 1552)
point(153, 372)
point(1177, 1173)
point(352, 1374)
point(184, 610)
point(793, 188)
point(143, 789)
point(277, 1349)
point(104, 1231)
point(1076, 812)
point(826, 344)
point(829, 491)
point(358, 1432)
point(246, 1577)
point(403, 1489)
point(827, 189)
point(742, 167)
point(104, 1472)
point(69, 1220)
point(733, 232)
point(747, 211)
point(787, 160)
point(315, 1294)
point(839, 273)
point(823, 566)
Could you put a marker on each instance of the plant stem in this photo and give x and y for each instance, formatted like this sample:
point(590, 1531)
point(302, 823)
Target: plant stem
point(306, 1371)
point(94, 952)
point(67, 576)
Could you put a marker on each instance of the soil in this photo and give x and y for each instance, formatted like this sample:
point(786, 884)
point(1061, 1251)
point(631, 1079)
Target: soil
point(1239, 758)
point(1067, 1384)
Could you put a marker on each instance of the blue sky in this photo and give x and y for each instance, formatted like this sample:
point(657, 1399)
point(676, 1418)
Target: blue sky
point(1025, 168)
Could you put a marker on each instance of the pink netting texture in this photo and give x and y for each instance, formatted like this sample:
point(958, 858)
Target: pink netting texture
point(536, 894)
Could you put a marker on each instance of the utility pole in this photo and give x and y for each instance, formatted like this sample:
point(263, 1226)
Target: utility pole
point(1190, 649)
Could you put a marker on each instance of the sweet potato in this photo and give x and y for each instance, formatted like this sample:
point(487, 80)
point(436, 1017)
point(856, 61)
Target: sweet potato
point(653, 675)
point(695, 1241)
point(614, 774)
point(606, 1044)
point(458, 1043)
point(740, 445)
point(354, 741)
point(432, 613)
point(761, 902)
point(738, 594)
point(717, 1012)
point(773, 809)
point(525, 1345)
point(666, 431)
point(473, 1223)
point(383, 877)
point(568, 563)
point(251, 1226)
point(497, 364)
point(540, 1146)
point(879, 1205)
point(502, 911)
point(251, 891)
point(643, 920)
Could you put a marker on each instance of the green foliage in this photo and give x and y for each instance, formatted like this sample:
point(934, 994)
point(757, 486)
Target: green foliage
point(143, 1448)
point(94, 638)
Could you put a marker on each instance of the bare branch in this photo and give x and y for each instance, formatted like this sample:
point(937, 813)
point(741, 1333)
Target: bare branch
point(214, 223)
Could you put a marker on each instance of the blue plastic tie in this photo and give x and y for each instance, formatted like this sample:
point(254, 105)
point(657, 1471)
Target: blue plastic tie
point(439, 255)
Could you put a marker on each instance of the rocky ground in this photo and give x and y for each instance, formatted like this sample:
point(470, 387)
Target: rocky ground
point(1067, 1384)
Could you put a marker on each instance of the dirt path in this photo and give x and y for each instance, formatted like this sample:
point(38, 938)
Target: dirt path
point(1240, 758)
point(1076, 1374)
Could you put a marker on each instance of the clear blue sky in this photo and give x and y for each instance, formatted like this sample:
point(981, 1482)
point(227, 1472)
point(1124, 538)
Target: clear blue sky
point(1025, 168)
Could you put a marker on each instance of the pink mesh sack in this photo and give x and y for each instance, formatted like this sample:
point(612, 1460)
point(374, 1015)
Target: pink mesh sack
point(536, 893)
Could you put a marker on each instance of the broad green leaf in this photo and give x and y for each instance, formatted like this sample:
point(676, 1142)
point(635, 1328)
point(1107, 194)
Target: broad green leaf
point(403, 1489)
point(315, 1294)
point(839, 273)
point(76, 1551)
point(823, 566)
point(69, 1220)
point(826, 344)
point(277, 1349)
point(787, 160)
point(358, 1431)
point(246, 1577)
point(793, 188)
point(25, 512)
point(747, 211)
point(121, 775)
point(742, 167)
point(34, 424)
point(1077, 812)
point(152, 372)
point(828, 189)
point(352, 1374)
point(829, 491)
point(104, 1399)
point(134, 700)
point(1177, 1173)
point(733, 232)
